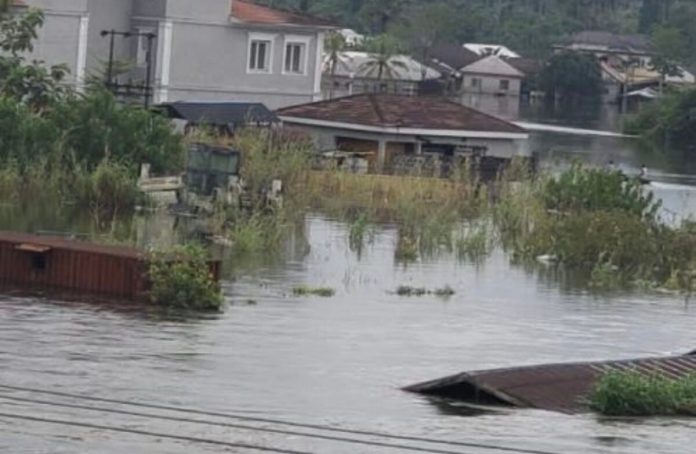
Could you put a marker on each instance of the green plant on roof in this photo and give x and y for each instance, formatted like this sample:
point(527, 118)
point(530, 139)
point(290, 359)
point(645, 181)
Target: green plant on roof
point(631, 393)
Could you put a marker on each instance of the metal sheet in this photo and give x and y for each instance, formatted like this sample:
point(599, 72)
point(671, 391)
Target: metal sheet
point(556, 387)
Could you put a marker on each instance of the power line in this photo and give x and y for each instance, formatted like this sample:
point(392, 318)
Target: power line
point(276, 421)
point(233, 426)
point(151, 434)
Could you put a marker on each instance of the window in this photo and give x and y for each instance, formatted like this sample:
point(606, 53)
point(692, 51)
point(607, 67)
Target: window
point(504, 84)
point(294, 58)
point(476, 83)
point(260, 53)
point(258, 58)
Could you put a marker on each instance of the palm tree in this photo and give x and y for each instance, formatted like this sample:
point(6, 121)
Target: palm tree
point(334, 45)
point(382, 52)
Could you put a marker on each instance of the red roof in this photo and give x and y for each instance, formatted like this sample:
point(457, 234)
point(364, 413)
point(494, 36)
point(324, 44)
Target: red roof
point(252, 13)
point(395, 111)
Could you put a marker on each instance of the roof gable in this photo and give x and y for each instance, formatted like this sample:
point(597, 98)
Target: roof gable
point(404, 112)
point(249, 12)
point(492, 65)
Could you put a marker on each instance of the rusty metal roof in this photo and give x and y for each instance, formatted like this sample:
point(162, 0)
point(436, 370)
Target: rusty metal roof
point(555, 387)
point(36, 242)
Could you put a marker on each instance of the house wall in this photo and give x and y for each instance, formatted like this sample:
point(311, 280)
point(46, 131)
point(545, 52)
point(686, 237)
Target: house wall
point(108, 15)
point(221, 72)
point(325, 140)
point(58, 41)
point(491, 84)
point(199, 52)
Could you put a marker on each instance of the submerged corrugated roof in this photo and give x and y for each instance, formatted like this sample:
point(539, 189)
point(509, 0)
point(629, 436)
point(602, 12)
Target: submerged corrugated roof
point(556, 387)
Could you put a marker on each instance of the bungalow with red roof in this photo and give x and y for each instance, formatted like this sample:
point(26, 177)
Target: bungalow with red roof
point(203, 50)
point(387, 126)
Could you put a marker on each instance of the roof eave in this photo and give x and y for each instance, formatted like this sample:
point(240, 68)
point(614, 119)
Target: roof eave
point(395, 130)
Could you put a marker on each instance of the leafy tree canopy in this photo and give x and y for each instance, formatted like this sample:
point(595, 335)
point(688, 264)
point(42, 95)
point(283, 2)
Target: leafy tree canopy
point(570, 75)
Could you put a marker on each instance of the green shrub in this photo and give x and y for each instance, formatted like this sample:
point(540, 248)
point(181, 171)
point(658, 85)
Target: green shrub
point(181, 279)
point(631, 393)
point(585, 189)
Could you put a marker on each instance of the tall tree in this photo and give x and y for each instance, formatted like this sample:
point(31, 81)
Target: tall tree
point(381, 61)
point(32, 82)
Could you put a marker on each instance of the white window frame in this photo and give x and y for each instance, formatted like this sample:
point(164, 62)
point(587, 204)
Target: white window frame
point(304, 62)
point(504, 82)
point(254, 37)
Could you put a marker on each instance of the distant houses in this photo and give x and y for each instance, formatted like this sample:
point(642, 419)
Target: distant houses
point(625, 62)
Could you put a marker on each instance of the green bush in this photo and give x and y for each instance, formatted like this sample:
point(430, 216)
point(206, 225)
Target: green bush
point(631, 393)
point(671, 121)
point(181, 279)
point(585, 189)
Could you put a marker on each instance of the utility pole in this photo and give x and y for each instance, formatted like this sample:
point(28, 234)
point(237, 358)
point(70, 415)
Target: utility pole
point(143, 90)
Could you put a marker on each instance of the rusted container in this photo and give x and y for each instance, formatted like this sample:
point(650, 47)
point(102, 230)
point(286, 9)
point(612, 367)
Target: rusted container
point(32, 262)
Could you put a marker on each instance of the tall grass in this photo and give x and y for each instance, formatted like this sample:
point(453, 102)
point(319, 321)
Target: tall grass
point(630, 393)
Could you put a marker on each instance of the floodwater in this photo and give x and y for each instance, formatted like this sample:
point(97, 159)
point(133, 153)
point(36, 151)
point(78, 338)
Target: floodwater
point(340, 361)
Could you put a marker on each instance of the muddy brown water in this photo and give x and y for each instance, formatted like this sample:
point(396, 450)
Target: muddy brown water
point(341, 361)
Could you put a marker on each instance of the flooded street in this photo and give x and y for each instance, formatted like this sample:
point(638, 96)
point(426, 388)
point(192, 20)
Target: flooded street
point(341, 361)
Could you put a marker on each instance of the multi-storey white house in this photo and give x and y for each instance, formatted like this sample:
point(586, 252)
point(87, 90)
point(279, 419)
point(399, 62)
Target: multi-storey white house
point(203, 50)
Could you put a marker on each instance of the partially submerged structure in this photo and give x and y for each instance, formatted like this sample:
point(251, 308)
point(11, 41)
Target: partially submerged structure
point(626, 61)
point(34, 262)
point(557, 387)
point(388, 128)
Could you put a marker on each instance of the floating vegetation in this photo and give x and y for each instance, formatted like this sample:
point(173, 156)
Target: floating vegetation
point(630, 393)
point(405, 290)
point(304, 290)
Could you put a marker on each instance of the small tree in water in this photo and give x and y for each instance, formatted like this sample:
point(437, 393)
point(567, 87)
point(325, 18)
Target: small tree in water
point(181, 279)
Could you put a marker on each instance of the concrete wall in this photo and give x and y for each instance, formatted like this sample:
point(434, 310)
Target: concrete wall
point(491, 84)
point(199, 54)
point(209, 62)
point(108, 15)
point(200, 10)
point(325, 140)
point(58, 40)
point(150, 8)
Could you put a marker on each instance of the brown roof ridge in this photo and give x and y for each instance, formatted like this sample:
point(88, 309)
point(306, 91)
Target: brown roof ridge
point(485, 114)
point(388, 110)
point(319, 103)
